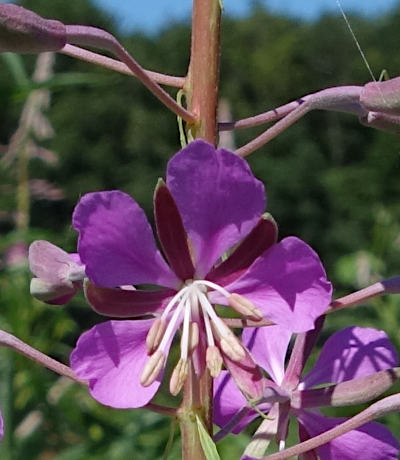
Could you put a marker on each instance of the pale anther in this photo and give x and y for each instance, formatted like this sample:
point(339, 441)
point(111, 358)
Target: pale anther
point(155, 335)
point(244, 307)
point(152, 368)
point(178, 377)
point(214, 361)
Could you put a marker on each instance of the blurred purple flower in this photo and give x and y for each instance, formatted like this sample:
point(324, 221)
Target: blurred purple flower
point(210, 203)
point(349, 354)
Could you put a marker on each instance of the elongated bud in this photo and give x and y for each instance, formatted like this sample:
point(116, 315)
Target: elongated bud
point(244, 307)
point(178, 376)
point(155, 335)
point(383, 96)
point(349, 392)
point(214, 361)
point(23, 31)
point(231, 347)
point(152, 368)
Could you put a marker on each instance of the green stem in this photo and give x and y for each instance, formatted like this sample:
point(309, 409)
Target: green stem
point(197, 400)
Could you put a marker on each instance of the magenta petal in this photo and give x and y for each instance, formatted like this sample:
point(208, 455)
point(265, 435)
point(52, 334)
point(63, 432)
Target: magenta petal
point(287, 283)
point(352, 353)
point(371, 441)
point(228, 400)
point(268, 346)
point(218, 197)
point(112, 356)
point(121, 303)
point(116, 242)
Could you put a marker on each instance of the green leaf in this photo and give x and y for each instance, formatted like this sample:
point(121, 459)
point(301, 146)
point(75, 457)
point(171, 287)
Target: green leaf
point(208, 445)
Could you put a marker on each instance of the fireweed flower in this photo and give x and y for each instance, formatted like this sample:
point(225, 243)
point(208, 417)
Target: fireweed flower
point(210, 203)
point(349, 354)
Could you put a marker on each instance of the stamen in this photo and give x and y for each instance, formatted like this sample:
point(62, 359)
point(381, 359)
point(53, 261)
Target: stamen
point(173, 301)
point(214, 286)
point(244, 307)
point(209, 333)
point(173, 321)
point(194, 336)
point(222, 328)
point(214, 361)
point(232, 348)
point(155, 335)
point(178, 377)
point(152, 368)
point(229, 343)
point(185, 332)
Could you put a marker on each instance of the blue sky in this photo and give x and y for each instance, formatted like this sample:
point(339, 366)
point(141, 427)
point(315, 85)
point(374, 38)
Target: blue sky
point(149, 15)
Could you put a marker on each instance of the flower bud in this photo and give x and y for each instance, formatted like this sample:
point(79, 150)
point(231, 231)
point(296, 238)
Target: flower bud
point(23, 31)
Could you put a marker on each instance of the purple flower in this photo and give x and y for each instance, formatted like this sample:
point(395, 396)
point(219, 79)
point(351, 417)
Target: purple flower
point(349, 354)
point(210, 203)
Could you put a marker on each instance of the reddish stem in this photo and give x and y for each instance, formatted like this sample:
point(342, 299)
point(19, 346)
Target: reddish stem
point(91, 36)
point(203, 77)
point(118, 66)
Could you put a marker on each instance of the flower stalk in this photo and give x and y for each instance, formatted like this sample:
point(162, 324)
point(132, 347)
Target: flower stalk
point(201, 89)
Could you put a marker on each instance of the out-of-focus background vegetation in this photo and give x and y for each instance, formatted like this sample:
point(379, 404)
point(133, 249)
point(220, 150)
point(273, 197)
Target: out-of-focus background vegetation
point(329, 181)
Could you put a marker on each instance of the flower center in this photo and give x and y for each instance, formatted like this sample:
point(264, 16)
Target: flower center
point(192, 309)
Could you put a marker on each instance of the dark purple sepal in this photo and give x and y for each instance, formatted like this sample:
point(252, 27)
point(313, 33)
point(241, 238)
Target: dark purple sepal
point(23, 31)
point(263, 236)
point(303, 436)
point(121, 303)
point(171, 233)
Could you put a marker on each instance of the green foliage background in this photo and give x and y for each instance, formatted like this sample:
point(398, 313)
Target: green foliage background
point(329, 181)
